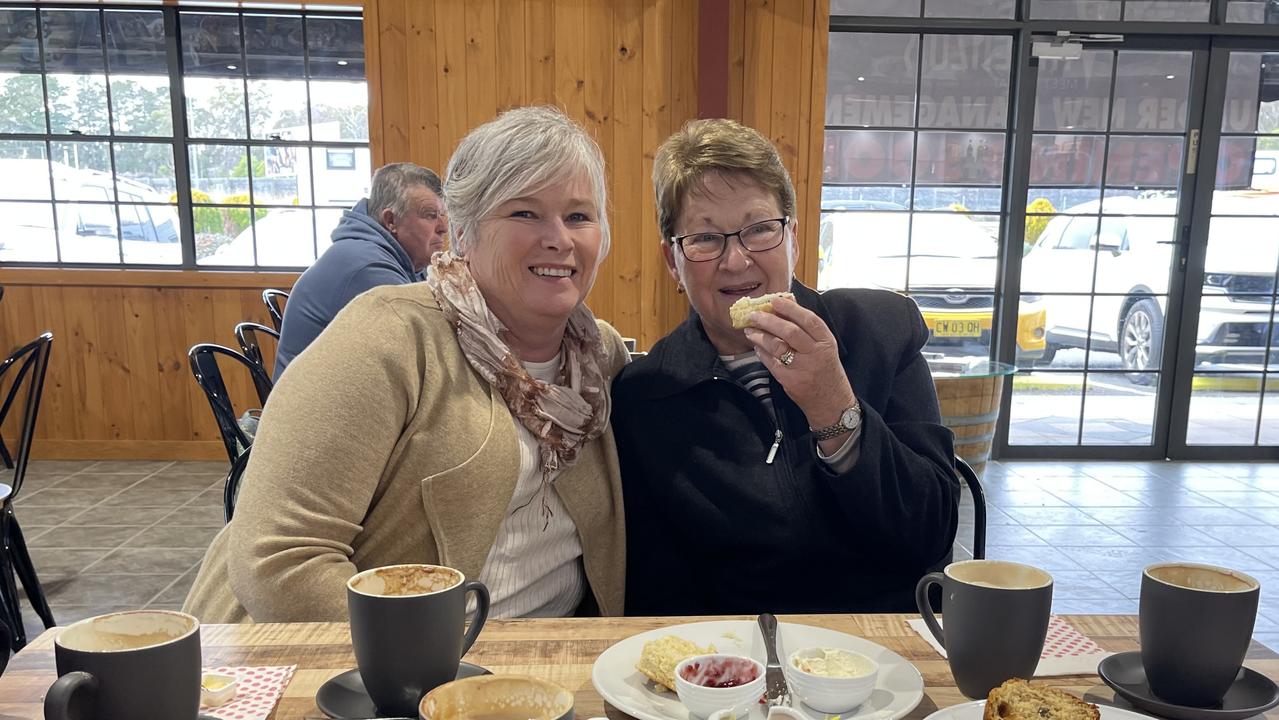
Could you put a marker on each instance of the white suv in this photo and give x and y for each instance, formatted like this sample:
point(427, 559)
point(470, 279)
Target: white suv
point(1134, 253)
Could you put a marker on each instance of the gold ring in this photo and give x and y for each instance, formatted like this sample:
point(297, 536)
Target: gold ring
point(787, 357)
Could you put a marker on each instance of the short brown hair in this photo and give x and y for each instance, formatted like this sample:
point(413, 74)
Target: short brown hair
point(703, 146)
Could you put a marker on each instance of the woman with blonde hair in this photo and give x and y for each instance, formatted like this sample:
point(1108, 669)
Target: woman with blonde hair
point(460, 421)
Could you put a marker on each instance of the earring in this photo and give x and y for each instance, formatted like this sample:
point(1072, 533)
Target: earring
point(679, 288)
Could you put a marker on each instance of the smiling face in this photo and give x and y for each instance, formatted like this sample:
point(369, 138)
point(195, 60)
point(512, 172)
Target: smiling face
point(725, 203)
point(536, 256)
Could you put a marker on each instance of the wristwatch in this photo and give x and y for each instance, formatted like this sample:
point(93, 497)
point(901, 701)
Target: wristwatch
point(849, 420)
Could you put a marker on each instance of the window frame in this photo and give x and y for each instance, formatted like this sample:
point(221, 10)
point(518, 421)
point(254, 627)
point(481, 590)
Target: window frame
point(181, 141)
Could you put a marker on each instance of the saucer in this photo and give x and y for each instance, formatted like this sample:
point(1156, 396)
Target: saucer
point(344, 696)
point(1251, 694)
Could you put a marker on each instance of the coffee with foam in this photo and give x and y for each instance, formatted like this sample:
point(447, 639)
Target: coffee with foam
point(406, 580)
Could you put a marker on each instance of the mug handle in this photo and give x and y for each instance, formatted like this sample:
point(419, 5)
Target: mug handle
point(481, 612)
point(70, 697)
point(926, 608)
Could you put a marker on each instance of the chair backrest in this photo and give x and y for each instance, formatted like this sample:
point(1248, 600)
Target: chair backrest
point(966, 474)
point(208, 375)
point(21, 386)
point(275, 300)
point(231, 489)
point(248, 334)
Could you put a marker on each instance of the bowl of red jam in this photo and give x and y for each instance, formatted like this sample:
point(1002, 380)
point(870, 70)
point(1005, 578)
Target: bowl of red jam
point(706, 683)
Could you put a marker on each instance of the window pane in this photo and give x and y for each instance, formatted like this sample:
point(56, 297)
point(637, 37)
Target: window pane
point(82, 171)
point(1074, 9)
point(1168, 10)
point(1224, 409)
point(870, 158)
point(888, 8)
point(135, 42)
point(969, 8)
point(954, 251)
point(144, 172)
point(863, 249)
point(72, 41)
point(285, 238)
point(335, 48)
point(140, 105)
point(211, 44)
point(1045, 408)
point(1119, 411)
point(78, 104)
point(945, 159)
point(1144, 162)
point(965, 81)
point(215, 107)
point(87, 232)
point(1074, 94)
point(872, 80)
point(274, 46)
point(326, 221)
point(1065, 171)
point(1241, 166)
point(281, 175)
point(24, 170)
point(958, 322)
point(1063, 261)
point(339, 110)
point(1252, 94)
point(26, 232)
point(341, 175)
point(19, 48)
point(1152, 91)
point(277, 110)
point(1251, 11)
point(150, 234)
point(21, 103)
point(219, 174)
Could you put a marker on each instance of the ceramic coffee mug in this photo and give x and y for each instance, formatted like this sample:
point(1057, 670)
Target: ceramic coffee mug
point(407, 625)
point(498, 697)
point(136, 665)
point(1196, 624)
point(996, 617)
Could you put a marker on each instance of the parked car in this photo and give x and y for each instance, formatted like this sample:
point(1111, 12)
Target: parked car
point(147, 229)
point(285, 238)
point(952, 263)
point(1133, 255)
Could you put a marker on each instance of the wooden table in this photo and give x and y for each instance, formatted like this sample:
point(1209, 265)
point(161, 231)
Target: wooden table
point(560, 650)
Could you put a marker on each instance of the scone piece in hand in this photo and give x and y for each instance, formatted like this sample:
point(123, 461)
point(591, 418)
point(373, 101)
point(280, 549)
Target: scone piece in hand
point(740, 312)
point(659, 658)
point(1017, 699)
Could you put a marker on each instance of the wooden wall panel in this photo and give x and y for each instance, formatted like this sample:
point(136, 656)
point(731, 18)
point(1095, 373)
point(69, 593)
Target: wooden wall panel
point(119, 385)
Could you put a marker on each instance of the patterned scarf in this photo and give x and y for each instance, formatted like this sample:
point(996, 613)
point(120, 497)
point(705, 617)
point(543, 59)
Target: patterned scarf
point(562, 417)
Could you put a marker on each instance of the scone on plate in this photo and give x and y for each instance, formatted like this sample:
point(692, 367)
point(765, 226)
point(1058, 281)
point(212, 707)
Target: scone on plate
point(659, 658)
point(1017, 699)
point(740, 312)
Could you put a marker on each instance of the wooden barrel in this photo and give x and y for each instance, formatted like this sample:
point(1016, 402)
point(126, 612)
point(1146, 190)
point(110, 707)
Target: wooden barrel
point(970, 408)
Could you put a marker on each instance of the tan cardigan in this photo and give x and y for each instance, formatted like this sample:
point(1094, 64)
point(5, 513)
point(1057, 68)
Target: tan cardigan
point(381, 446)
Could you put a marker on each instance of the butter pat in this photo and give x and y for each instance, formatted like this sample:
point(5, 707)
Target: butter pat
point(216, 690)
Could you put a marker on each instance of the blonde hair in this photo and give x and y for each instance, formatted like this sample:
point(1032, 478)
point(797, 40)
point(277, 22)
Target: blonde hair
point(519, 152)
point(720, 145)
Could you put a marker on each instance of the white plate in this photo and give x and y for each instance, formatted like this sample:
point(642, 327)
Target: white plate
point(973, 710)
point(898, 689)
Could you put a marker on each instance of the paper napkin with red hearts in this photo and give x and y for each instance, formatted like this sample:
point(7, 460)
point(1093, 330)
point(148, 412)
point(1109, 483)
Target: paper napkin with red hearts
point(1066, 650)
point(257, 690)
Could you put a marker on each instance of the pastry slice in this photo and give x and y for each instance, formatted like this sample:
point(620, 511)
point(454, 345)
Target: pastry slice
point(740, 312)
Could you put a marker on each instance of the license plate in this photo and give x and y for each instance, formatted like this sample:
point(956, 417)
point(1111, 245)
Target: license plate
point(957, 328)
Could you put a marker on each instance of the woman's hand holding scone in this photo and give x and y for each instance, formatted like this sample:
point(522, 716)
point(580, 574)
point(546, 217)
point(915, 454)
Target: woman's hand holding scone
point(813, 378)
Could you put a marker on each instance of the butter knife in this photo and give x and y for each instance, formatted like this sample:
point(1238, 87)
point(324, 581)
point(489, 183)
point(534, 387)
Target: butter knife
point(776, 691)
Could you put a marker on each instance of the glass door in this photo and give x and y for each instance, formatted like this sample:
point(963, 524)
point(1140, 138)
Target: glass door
point(1227, 390)
point(1109, 191)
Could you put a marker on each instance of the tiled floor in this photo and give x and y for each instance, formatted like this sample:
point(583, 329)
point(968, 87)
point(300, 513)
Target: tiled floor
point(127, 534)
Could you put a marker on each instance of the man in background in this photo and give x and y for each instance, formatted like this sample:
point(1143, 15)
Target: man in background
point(386, 239)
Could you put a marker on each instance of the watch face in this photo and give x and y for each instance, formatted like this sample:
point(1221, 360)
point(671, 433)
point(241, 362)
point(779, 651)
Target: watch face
point(849, 418)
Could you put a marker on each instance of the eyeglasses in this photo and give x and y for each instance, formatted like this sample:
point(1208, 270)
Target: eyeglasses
point(756, 237)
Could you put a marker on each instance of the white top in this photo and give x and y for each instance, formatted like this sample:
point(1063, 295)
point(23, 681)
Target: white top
point(534, 569)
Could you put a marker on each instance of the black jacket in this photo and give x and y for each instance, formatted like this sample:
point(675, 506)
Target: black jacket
point(713, 529)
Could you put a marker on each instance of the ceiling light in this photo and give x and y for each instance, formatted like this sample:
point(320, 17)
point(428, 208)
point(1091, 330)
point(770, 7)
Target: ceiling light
point(861, 79)
point(343, 63)
point(1170, 77)
point(231, 67)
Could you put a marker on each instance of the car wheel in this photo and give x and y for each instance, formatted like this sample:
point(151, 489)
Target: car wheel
point(1141, 341)
point(1050, 352)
